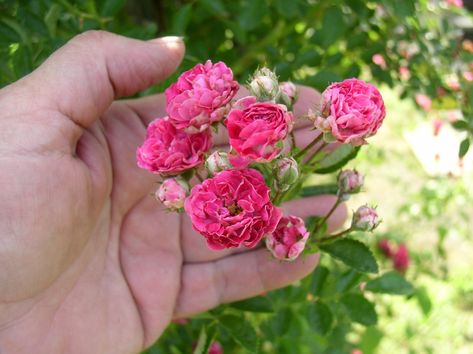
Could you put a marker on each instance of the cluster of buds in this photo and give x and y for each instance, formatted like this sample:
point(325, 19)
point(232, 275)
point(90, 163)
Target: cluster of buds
point(398, 254)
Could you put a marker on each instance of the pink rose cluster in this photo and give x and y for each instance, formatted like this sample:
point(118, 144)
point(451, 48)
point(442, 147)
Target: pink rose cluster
point(236, 201)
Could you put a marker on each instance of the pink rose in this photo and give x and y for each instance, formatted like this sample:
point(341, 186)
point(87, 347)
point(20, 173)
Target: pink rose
point(401, 258)
point(288, 240)
point(256, 128)
point(172, 193)
point(352, 110)
point(200, 96)
point(424, 102)
point(169, 151)
point(232, 209)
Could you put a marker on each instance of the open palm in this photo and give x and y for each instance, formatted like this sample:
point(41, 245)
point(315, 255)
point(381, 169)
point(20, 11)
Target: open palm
point(90, 263)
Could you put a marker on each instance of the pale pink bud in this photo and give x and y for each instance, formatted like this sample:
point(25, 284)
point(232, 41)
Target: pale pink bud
point(404, 73)
point(172, 193)
point(350, 182)
point(378, 59)
point(468, 75)
point(288, 240)
point(289, 93)
point(217, 161)
point(424, 101)
point(401, 258)
point(287, 173)
point(365, 219)
point(264, 85)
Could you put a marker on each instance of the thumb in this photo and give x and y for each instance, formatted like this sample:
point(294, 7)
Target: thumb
point(82, 78)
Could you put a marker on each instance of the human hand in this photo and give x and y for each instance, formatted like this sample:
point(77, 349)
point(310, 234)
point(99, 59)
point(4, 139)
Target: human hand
point(91, 263)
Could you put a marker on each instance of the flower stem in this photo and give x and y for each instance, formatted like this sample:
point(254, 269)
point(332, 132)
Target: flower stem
point(314, 155)
point(334, 236)
point(337, 203)
point(199, 177)
point(308, 147)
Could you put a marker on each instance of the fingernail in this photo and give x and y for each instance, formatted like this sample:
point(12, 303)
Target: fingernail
point(169, 39)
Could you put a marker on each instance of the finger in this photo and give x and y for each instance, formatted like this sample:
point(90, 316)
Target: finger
point(195, 247)
point(82, 78)
point(207, 285)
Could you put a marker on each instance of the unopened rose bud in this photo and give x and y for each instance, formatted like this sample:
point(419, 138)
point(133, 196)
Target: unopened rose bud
point(287, 173)
point(365, 219)
point(217, 162)
point(289, 93)
point(172, 193)
point(264, 85)
point(288, 240)
point(350, 182)
point(401, 258)
point(385, 247)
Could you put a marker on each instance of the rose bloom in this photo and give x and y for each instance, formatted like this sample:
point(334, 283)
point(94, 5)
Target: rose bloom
point(232, 209)
point(378, 59)
point(288, 240)
point(169, 151)
point(352, 110)
point(200, 96)
point(256, 128)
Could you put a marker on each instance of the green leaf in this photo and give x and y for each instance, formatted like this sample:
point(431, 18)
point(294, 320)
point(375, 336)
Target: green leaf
point(241, 331)
point(424, 301)
point(353, 253)
point(310, 191)
point(216, 7)
point(390, 283)
point(464, 147)
point(320, 317)
point(322, 79)
point(281, 321)
point(181, 19)
point(202, 342)
point(51, 18)
point(359, 309)
point(348, 280)
point(112, 7)
point(333, 26)
point(251, 13)
point(318, 280)
point(370, 340)
point(287, 9)
point(21, 59)
point(461, 125)
point(337, 159)
point(255, 304)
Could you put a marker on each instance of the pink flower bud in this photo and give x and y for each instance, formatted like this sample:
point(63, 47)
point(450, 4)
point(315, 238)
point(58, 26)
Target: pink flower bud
point(385, 247)
point(404, 73)
point(468, 75)
point(424, 102)
point(350, 182)
point(287, 173)
point(217, 161)
point(378, 59)
point(215, 348)
point(264, 85)
point(289, 93)
point(172, 193)
point(365, 219)
point(288, 240)
point(401, 258)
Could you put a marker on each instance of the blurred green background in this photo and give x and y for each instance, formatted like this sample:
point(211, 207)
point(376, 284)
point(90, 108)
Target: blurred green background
point(407, 48)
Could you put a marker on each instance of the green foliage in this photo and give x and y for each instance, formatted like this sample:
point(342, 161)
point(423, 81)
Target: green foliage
point(353, 253)
point(390, 283)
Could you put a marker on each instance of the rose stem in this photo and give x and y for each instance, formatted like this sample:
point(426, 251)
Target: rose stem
point(333, 237)
point(309, 161)
point(293, 139)
point(337, 203)
point(307, 148)
point(199, 176)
